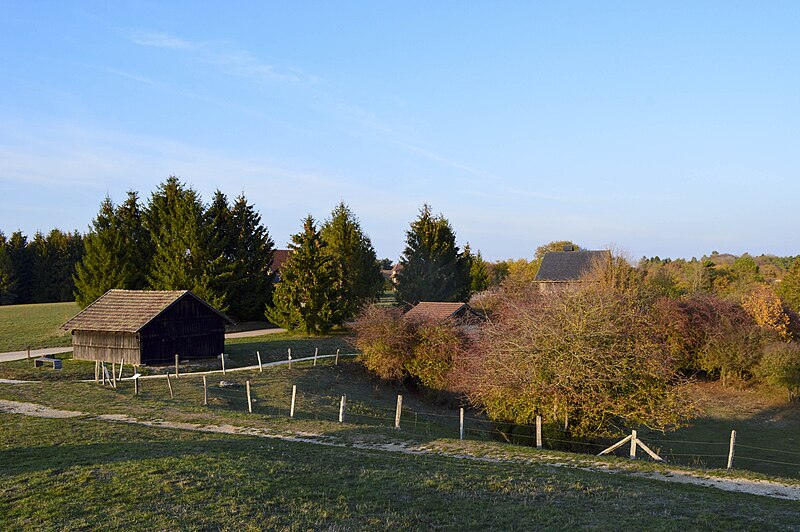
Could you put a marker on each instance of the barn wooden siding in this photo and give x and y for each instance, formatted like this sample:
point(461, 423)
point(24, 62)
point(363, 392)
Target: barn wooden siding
point(108, 346)
point(187, 329)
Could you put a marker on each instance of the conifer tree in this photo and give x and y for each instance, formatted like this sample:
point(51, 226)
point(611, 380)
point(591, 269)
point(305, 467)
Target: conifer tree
point(356, 263)
point(478, 271)
point(21, 259)
point(7, 280)
point(309, 294)
point(182, 260)
point(433, 269)
point(250, 252)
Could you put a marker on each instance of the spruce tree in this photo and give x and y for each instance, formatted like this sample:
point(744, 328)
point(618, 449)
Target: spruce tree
point(21, 259)
point(309, 295)
point(356, 263)
point(478, 271)
point(7, 278)
point(433, 269)
point(251, 251)
point(182, 259)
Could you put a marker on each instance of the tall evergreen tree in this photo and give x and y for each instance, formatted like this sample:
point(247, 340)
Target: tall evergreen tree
point(182, 260)
point(250, 252)
point(357, 265)
point(115, 252)
point(7, 278)
point(21, 259)
point(309, 294)
point(478, 271)
point(433, 269)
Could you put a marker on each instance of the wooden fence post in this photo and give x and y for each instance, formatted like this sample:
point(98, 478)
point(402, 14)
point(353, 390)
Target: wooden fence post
point(29, 351)
point(120, 368)
point(249, 400)
point(294, 396)
point(337, 358)
point(205, 391)
point(260, 369)
point(113, 374)
point(222, 360)
point(538, 432)
point(398, 411)
point(290, 358)
point(176, 365)
point(96, 371)
point(633, 444)
point(136, 386)
point(461, 423)
point(730, 450)
point(316, 352)
point(341, 409)
point(103, 371)
point(169, 383)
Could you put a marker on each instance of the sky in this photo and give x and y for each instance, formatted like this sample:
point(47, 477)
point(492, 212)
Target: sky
point(661, 128)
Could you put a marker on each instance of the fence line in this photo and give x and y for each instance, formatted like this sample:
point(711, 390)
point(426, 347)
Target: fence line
point(335, 407)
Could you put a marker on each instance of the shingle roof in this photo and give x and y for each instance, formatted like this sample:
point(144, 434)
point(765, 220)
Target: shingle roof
point(127, 310)
point(279, 257)
point(568, 265)
point(434, 310)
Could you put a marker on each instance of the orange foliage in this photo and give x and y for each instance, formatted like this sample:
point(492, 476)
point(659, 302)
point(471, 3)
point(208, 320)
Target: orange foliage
point(766, 309)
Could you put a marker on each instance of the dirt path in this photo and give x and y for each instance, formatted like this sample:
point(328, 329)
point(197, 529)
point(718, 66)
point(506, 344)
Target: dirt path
point(738, 485)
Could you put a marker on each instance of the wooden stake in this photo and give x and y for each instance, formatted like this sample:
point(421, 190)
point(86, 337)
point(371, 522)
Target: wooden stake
point(260, 369)
point(104, 372)
point(538, 432)
point(648, 450)
point(136, 386)
point(114, 374)
point(120, 368)
point(290, 358)
point(205, 391)
point(294, 396)
point(97, 371)
point(634, 441)
point(249, 400)
point(176, 366)
point(616, 446)
point(461, 423)
point(169, 383)
point(341, 409)
point(222, 358)
point(316, 351)
point(730, 450)
point(337, 358)
point(29, 351)
point(398, 411)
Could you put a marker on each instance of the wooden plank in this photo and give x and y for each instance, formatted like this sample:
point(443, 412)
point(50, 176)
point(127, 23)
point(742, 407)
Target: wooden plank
point(538, 432)
point(205, 391)
point(730, 449)
point(294, 396)
point(616, 446)
point(169, 383)
point(341, 409)
point(249, 399)
point(398, 411)
point(649, 451)
point(260, 368)
point(633, 444)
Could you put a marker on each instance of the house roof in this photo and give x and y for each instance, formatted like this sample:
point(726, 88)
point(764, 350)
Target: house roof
point(568, 265)
point(128, 310)
point(279, 257)
point(434, 310)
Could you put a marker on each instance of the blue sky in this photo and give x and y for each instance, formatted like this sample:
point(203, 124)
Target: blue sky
point(668, 129)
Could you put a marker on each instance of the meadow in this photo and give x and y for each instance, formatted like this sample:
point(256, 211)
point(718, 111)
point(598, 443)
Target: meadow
point(34, 326)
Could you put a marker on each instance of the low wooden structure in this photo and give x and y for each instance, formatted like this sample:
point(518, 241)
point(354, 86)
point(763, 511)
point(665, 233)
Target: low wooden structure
point(147, 327)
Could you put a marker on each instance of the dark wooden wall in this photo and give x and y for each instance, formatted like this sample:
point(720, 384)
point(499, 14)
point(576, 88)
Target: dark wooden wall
point(188, 328)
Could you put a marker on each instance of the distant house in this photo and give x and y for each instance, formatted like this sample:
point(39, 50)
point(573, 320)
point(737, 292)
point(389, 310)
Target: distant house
point(279, 257)
point(147, 327)
point(461, 313)
point(396, 269)
point(559, 268)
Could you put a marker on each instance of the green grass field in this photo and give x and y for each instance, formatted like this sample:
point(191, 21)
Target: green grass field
point(23, 326)
point(71, 474)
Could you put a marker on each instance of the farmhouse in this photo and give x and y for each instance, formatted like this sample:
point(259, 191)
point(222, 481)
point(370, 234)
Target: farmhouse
point(147, 327)
point(559, 268)
point(461, 313)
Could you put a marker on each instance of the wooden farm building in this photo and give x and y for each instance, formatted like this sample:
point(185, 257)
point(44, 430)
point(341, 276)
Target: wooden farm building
point(147, 327)
point(439, 311)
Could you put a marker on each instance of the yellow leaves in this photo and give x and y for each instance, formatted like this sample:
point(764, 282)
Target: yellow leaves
point(766, 309)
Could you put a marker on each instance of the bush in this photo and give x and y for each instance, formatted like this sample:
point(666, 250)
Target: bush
point(780, 366)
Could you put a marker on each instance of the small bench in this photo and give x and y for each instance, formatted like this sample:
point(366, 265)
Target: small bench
point(41, 361)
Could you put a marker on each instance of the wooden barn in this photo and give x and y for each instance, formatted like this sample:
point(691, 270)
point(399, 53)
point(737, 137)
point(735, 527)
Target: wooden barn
point(147, 327)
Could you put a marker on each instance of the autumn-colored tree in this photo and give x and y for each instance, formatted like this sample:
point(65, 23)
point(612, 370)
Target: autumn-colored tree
point(789, 287)
point(766, 309)
point(584, 359)
point(780, 366)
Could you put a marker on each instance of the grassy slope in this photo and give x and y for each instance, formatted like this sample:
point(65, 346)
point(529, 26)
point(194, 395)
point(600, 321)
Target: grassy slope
point(38, 325)
point(73, 474)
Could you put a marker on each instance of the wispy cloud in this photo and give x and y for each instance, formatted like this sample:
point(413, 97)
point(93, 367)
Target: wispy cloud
point(230, 60)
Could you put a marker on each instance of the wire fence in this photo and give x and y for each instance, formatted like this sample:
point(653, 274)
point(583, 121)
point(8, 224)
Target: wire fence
point(272, 396)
